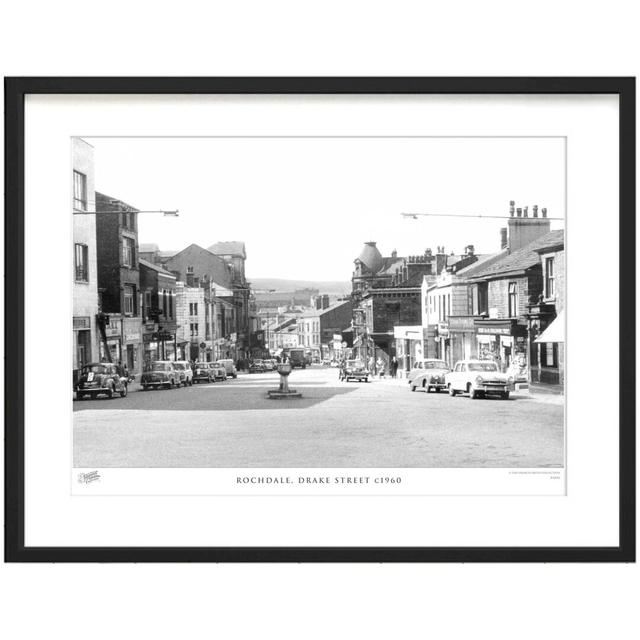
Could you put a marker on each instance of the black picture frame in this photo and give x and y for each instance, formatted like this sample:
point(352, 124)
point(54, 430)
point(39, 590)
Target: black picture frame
point(15, 91)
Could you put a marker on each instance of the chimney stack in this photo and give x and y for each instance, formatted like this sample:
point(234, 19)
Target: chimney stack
point(504, 243)
point(394, 254)
point(522, 229)
point(512, 204)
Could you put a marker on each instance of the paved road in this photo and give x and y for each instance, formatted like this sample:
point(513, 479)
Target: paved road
point(334, 424)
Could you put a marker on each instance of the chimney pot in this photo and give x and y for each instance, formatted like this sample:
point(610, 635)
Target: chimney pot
point(526, 212)
point(535, 210)
point(512, 204)
point(544, 212)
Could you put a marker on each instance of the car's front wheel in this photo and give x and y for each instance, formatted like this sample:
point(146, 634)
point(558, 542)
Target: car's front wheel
point(110, 392)
point(504, 395)
point(452, 391)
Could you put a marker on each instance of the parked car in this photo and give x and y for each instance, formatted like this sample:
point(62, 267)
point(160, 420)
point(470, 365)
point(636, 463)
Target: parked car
point(203, 372)
point(185, 371)
point(227, 363)
point(478, 378)
point(271, 364)
point(160, 373)
point(354, 370)
point(100, 378)
point(219, 370)
point(257, 366)
point(431, 375)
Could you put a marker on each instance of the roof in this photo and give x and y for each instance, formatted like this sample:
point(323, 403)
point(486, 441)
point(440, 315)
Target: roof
point(233, 247)
point(155, 267)
point(520, 260)
point(333, 306)
point(371, 257)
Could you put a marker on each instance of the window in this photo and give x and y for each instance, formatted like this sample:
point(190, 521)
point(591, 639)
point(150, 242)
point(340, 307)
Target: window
point(193, 308)
point(79, 191)
point(194, 329)
point(513, 299)
point(128, 252)
point(549, 355)
point(128, 300)
point(550, 280)
point(170, 293)
point(483, 298)
point(82, 260)
point(164, 302)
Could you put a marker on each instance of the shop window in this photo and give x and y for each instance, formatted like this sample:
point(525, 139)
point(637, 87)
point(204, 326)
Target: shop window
point(549, 355)
point(550, 280)
point(513, 299)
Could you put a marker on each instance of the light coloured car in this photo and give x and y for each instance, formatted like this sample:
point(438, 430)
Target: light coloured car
point(230, 367)
point(185, 371)
point(430, 375)
point(219, 370)
point(478, 378)
point(100, 378)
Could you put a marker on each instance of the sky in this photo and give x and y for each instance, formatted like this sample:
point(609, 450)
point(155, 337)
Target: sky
point(305, 206)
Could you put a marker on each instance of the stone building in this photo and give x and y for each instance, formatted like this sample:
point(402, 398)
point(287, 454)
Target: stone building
point(85, 274)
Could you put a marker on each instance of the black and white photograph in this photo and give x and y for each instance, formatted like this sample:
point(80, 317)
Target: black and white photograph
point(319, 302)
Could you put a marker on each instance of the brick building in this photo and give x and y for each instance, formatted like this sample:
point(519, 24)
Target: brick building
point(386, 292)
point(158, 294)
point(546, 318)
point(120, 321)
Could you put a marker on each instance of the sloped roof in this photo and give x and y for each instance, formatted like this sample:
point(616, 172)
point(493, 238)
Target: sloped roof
point(155, 267)
point(213, 266)
point(233, 247)
point(333, 306)
point(520, 260)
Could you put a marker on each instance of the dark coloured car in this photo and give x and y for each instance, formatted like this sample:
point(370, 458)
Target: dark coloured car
point(354, 370)
point(160, 373)
point(203, 372)
point(100, 378)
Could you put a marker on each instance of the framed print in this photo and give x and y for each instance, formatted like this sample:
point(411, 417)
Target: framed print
point(320, 319)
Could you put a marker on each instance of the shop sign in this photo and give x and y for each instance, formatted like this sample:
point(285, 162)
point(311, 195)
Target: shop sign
point(112, 329)
point(461, 323)
point(443, 329)
point(132, 337)
point(494, 331)
point(81, 323)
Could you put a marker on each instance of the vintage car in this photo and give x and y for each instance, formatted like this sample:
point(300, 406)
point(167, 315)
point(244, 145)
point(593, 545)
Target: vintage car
point(257, 366)
point(219, 370)
point(478, 378)
point(100, 378)
point(186, 372)
point(354, 370)
point(203, 371)
point(160, 373)
point(227, 363)
point(431, 375)
point(271, 364)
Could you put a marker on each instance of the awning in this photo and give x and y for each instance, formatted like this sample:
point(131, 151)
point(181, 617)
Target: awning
point(554, 332)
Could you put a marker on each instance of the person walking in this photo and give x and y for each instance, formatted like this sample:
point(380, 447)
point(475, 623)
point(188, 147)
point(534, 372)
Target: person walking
point(394, 367)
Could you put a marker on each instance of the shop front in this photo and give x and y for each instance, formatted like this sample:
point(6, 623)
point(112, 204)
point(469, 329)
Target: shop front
point(409, 346)
point(505, 342)
point(442, 338)
point(462, 333)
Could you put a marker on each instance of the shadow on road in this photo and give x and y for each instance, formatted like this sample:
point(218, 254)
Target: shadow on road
point(218, 399)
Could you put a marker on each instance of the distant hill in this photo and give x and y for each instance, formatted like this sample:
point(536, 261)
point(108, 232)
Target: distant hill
point(335, 287)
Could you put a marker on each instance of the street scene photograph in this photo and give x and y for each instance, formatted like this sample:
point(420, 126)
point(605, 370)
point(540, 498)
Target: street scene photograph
point(318, 302)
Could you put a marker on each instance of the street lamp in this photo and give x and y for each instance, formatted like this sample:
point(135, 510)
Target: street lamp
point(168, 213)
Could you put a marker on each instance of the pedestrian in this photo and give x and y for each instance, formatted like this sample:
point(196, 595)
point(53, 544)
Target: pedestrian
point(380, 367)
point(394, 367)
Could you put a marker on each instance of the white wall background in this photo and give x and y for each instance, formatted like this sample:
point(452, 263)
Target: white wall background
point(333, 38)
